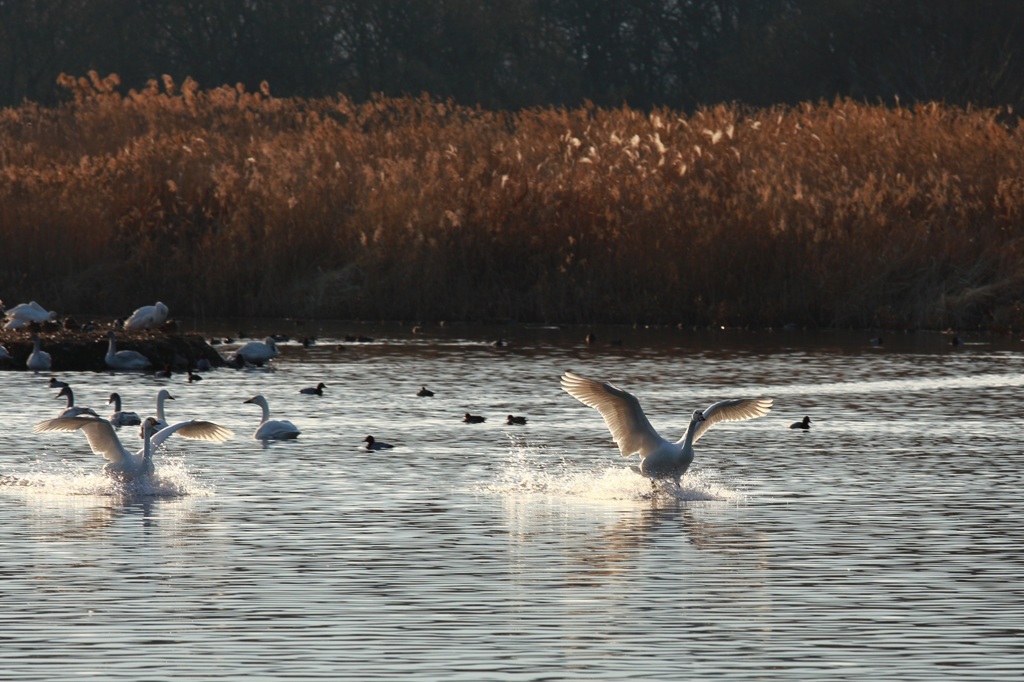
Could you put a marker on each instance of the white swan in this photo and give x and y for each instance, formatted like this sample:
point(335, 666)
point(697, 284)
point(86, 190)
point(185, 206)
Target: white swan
point(72, 410)
point(119, 417)
point(125, 465)
point(123, 359)
point(272, 429)
point(5, 355)
point(147, 317)
point(26, 313)
point(161, 420)
point(258, 352)
point(38, 360)
point(633, 433)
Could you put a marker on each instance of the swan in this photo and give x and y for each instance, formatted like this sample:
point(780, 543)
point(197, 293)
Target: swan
point(122, 464)
point(72, 410)
point(319, 390)
point(26, 313)
point(161, 420)
point(147, 317)
point(123, 359)
point(372, 444)
point(258, 352)
point(805, 423)
point(5, 355)
point(38, 360)
point(120, 418)
point(272, 429)
point(633, 433)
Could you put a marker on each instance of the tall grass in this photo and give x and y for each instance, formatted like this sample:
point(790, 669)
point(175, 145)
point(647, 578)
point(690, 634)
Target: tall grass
point(227, 202)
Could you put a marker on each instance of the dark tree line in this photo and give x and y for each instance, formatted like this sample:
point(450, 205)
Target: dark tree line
point(517, 53)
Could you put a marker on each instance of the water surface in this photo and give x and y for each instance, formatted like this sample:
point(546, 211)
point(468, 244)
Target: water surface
point(885, 543)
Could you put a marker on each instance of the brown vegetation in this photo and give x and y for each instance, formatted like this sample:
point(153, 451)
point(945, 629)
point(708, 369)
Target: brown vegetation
point(226, 202)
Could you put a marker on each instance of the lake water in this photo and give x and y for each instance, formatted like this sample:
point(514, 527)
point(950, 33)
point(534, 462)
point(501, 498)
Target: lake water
point(884, 543)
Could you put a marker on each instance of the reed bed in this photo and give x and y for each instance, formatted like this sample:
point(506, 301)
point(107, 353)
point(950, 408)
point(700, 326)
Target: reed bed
point(224, 202)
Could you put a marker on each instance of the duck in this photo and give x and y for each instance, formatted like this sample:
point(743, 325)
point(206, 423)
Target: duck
point(193, 377)
point(123, 359)
point(122, 464)
point(633, 433)
point(258, 352)
point(72, 410)
point(272, 429)
point(804, 423)
point(38, 360)
point(147, 317)
point(57, 383)
point(25, 314)
point(425, 392)
point(372, 444)
point(521, 421)
point(319, 390)
point(473, 419)
point(120, 418)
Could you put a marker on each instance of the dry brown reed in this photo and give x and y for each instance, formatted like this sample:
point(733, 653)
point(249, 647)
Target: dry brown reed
point(226, 202)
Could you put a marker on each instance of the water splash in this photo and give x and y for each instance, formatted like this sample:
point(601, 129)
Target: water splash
point(532, 469)
point(171, 479)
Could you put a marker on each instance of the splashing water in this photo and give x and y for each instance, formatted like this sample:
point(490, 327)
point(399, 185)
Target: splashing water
point(531, 469)
point(171, 479)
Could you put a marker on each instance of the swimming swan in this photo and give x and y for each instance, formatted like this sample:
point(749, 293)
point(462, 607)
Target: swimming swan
point(38, 360)
point(272, 429)
point(120, 418)
point(258, 352)
point(147, 317)
point(633, 433)
point(122, 464)
point(72, 410)
point(123, 359)
point(161, 420)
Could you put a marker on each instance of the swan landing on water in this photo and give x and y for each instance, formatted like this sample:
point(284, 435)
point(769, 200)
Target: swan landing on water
point(121, 463)
point(634, 434)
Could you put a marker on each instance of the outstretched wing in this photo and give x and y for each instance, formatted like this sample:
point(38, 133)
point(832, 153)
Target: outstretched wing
point(194, 429)
point(621, 410)
point(98, 431)
point(732, 411)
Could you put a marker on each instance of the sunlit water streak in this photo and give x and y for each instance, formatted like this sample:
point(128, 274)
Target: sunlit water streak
point(884, 543)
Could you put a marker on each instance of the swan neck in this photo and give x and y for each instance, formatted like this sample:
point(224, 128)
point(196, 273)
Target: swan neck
point(266, 410)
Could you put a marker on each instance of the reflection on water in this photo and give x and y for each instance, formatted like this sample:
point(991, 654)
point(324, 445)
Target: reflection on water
point(884, 543)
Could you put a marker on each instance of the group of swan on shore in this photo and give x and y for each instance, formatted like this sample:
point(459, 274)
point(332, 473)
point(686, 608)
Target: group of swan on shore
point(31, 313)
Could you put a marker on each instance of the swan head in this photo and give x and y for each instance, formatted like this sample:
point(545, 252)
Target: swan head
point(697, 417)
point(149, 427)
point(114, 398)
point(164, 394)
point(257, 400)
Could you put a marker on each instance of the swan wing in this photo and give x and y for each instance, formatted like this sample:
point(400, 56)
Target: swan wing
point(98, 431)
point(194, 429)
point(624, 417)
point(732, 411)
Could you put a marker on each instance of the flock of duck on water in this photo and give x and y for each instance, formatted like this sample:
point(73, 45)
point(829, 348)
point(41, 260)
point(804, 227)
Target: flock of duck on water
point(630, 429)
